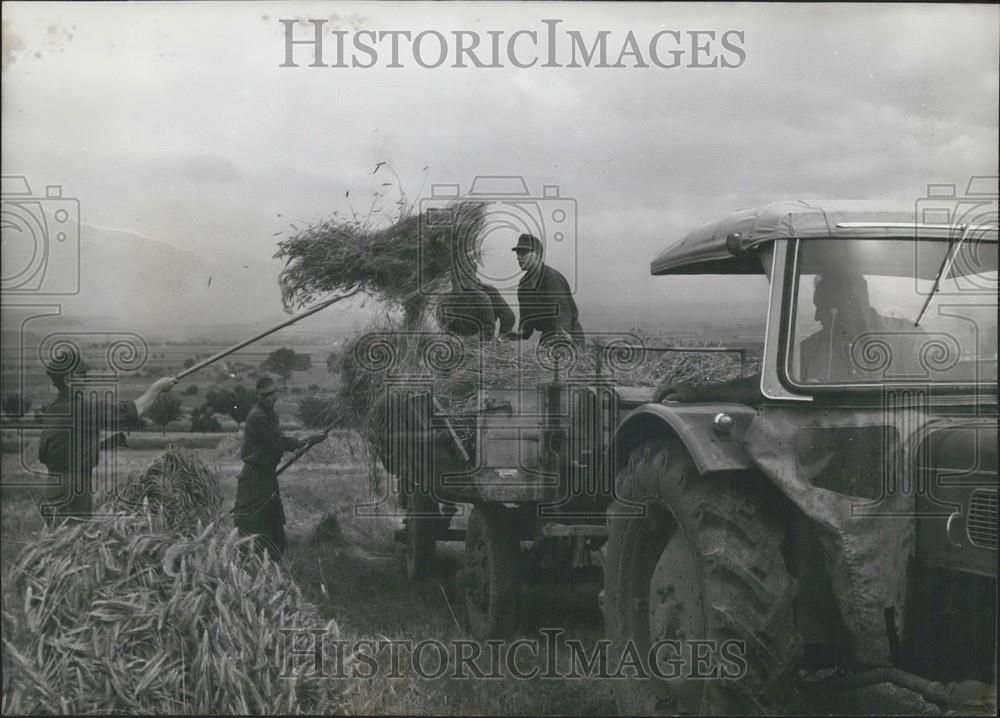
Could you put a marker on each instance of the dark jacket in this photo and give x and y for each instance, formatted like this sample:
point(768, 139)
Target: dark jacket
point(831, 356)
point(547, 305)
point(475, 309)
point(56, 448)
point(501, 310)
point(263, 445)
point(70, 460)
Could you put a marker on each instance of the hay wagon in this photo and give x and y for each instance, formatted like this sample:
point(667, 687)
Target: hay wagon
point(534, 464)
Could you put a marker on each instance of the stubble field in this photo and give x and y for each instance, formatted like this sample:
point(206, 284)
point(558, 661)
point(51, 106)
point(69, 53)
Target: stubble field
point(359, 579)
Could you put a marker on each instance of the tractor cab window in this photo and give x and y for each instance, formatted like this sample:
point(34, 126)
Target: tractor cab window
point(855, 306)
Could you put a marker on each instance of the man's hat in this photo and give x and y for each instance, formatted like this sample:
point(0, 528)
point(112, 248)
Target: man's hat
point(64, 361)
point(266, 385)
point(528, 243)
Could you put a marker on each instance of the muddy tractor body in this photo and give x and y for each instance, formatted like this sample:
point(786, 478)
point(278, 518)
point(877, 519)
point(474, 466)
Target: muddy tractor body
point(843, 523)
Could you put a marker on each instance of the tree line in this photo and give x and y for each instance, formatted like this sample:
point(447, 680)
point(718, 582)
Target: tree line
point(236, 403)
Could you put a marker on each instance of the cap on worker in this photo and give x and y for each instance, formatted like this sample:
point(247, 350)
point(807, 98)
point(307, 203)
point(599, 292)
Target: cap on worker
point(528, 243)
point(266, 385)
point(64, 361)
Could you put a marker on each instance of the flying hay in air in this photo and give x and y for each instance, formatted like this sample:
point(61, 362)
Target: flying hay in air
point(402, 265)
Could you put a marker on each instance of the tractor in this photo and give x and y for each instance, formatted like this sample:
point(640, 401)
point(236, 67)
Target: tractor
point(834, 515)
point(838, 512)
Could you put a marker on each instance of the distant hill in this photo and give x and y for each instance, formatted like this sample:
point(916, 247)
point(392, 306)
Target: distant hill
point(129, 282)
point(133, 283)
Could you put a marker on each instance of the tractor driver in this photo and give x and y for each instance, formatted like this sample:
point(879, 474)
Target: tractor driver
point(845, 314)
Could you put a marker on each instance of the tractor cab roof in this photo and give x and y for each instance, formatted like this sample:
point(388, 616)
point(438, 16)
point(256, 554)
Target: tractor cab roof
point(725, 246)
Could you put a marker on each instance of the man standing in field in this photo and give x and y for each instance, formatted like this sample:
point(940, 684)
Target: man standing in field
point(71, 454)
point(545, 299)
point(258, 507)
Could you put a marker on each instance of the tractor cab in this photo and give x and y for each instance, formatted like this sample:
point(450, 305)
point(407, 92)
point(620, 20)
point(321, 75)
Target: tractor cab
point(846, 516)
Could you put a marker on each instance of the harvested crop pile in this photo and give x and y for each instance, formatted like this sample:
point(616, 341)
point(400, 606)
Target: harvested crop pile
point(453, 368)
point(120, 615)
point(401, 265)
point(177, 485)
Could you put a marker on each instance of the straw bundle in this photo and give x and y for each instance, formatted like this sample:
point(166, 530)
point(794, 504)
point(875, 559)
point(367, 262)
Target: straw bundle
point(120, 615)
point(401, 265)
point(177, 485)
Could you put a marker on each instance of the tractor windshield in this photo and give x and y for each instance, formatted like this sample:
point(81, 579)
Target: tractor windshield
point(854, 302)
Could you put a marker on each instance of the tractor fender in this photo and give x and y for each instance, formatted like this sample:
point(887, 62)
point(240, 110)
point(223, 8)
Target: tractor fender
point(711, 449)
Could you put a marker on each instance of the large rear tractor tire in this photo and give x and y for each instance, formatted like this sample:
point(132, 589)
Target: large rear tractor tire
point(492, 569)
point(703, 565)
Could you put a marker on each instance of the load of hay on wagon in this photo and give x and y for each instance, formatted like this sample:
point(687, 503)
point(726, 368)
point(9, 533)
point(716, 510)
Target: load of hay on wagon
point(408, 267)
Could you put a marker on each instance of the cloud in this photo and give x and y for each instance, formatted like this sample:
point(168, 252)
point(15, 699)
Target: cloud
point(188, 131)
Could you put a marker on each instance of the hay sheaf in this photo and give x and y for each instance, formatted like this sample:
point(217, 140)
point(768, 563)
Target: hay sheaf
point(401, 265)
point(122, 615)
point(177, 485)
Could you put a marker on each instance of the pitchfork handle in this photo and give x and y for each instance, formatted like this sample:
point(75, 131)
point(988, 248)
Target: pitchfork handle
point(236, 347)
point(301, 452)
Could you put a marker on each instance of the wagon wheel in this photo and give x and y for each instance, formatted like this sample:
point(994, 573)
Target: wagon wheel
point(492, 587)
point(421, 533)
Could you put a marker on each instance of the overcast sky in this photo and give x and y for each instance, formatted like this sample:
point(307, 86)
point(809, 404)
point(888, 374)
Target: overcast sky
point(176, 122)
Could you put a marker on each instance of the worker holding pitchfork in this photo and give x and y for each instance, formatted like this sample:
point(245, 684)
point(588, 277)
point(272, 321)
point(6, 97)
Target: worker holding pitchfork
point(258, 507)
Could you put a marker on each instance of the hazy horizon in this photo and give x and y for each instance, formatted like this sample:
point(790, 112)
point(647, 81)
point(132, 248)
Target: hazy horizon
point(176, 123)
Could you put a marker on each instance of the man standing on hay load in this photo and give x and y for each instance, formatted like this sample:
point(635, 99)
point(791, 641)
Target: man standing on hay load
point(545, 299)
point(474, 308)
point(258, 507)
point(71, 454)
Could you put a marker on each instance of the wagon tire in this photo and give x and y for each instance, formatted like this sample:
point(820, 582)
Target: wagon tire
point(492, 564)
point(421, 534)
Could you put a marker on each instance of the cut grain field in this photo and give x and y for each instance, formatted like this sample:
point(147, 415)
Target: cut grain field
point(357, 577)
